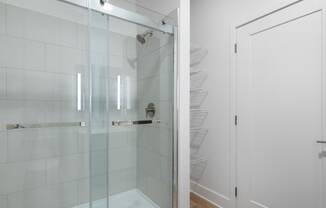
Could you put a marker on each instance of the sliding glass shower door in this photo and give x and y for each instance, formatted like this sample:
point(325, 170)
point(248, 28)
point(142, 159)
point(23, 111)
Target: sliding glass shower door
point(44, 159)
point(132, 70)
point(87, 106)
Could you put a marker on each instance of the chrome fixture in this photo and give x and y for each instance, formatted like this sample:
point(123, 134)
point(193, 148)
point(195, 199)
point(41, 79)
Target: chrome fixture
point(103, 2)
point(45, 125)
point(150, 110)
point(142, 37)
point(134, 123)
point(104, 7)
point(321, 142)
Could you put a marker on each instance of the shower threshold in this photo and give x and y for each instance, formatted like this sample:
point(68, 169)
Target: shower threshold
point(133, 198)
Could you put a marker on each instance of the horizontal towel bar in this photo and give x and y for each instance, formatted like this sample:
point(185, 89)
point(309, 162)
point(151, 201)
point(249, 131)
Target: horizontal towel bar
point(134, 123)
point(45, 125)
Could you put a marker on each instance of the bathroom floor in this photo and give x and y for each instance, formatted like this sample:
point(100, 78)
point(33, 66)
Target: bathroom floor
point(198, 202)
point(129, 199)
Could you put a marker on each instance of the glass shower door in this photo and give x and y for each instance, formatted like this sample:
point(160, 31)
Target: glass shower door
point(133, 67)
point(44, 160)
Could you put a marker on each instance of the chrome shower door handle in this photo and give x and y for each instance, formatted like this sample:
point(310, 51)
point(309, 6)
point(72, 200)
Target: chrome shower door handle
point(134, 123)
point(44, 125)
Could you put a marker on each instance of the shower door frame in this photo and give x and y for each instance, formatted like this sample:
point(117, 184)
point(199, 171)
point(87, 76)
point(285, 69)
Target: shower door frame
point(141, 20)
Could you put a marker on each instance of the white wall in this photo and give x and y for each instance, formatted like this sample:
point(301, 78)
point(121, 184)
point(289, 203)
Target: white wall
point(163, 7)
point(211, 22)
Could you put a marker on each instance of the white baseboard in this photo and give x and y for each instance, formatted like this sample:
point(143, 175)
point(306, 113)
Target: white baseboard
point(208, 194)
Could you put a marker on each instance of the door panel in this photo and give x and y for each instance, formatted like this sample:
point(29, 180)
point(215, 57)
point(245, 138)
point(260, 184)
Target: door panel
point(279, 102)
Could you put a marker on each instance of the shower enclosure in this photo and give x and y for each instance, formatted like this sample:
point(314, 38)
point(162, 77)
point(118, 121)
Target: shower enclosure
point(88, 105)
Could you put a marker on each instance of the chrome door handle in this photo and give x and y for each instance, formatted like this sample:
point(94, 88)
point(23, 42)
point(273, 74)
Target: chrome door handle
point(134, 123)
point(321, 142)
point(44, 125)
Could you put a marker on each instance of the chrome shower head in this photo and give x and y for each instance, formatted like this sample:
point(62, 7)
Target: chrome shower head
point(142, 37)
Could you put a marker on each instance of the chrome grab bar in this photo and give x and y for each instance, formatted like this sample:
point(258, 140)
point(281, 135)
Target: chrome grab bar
point(45, 125)
point(134, 123)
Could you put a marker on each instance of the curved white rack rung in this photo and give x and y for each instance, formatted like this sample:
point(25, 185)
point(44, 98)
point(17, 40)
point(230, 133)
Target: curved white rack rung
point(197, 137)
point(197, 97)
point(197, 118)
point(197, 80)
point(197, 56)
point(198, 166)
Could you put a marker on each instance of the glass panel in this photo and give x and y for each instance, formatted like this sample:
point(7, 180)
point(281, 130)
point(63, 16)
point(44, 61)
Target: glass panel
point(66, 74)
point(99, 105)
point(138, 67)
point(44, 160)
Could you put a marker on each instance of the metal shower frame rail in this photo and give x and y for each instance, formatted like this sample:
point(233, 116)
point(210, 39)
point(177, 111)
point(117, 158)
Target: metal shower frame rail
point(123, 14)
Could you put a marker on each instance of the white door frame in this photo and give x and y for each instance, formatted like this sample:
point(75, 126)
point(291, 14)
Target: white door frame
point(309, 6)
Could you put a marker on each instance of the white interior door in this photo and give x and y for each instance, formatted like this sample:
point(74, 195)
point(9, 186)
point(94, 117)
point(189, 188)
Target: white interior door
point(279, 105)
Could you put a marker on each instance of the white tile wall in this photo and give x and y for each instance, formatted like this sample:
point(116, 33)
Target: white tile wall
point(21, 53)
point(22, 84)
point(32, 144)
point(55, 196)
point(122, 180)
point(65, 60)
point(3, 147)
point(122, 158)
point(64, 169)
point(19, 176)
point(2, 18)
point(3, 201)
point(36, 26)
point(83, 190)
point(3, 82)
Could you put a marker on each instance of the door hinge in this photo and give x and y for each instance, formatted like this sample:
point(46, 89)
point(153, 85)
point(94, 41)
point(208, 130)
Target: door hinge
point(236, 192)
point(236, 48)
point(236, 120)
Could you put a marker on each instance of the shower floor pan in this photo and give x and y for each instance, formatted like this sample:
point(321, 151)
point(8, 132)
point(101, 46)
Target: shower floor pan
point(129, 199)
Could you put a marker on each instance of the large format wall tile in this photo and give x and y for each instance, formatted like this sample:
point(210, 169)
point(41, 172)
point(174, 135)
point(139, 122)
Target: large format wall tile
point(21, 53)
point(3, 147)
point(54, 196)
point(122, 158)
point(122, 180)
point(65, 60)
point(2, 19)
point(3, 201)
point(3, 81)
point(36, 26)
point(19, 176)
point(63, 169)
point(37, 144)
